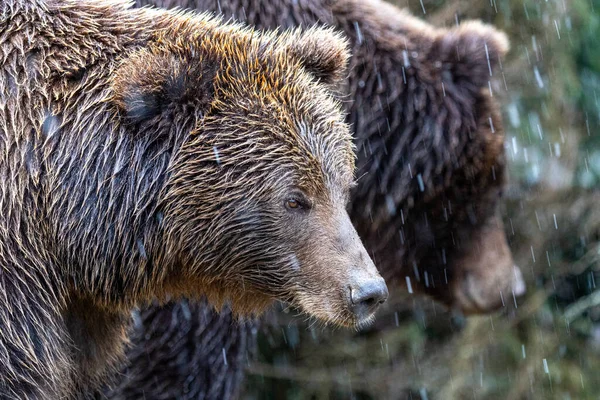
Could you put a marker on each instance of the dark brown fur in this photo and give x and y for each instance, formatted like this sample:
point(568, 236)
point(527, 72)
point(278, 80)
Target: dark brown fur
point(147, 153)
point(421, 108)
point(210, 367)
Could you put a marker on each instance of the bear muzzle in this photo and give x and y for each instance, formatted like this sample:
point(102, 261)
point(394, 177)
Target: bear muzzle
point(488, 279)
point(365, 297)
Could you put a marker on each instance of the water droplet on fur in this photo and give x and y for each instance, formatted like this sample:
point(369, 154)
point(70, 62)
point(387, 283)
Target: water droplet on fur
point(216, 153)
point(294, 262)
point(142, 249)
point(50, 125)
point(421, 184)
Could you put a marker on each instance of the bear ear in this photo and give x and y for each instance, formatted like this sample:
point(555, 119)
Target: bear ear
point(151, 82)
point(472, 52)
point(322, 51)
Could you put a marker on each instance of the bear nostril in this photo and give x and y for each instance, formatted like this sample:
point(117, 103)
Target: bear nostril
point(367, 296)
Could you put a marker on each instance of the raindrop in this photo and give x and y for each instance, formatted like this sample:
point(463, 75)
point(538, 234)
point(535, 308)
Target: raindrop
point(406, 59)
point(538, 77)
point(421, 185)
point(416, 271)
point(487, 54)
point(359, 36)
point(391, 205)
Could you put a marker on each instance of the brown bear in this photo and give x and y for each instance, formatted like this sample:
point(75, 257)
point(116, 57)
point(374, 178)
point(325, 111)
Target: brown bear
point(432, 169)
point(148, 153)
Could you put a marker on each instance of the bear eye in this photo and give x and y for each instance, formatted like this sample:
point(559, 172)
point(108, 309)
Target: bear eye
point(292, 203)
point(296, 202)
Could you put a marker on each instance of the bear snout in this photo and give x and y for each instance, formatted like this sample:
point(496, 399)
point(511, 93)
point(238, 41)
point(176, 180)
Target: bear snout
point(365, 297)
point(473, 296)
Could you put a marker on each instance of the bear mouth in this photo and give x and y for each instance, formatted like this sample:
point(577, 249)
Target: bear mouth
point(338, 314)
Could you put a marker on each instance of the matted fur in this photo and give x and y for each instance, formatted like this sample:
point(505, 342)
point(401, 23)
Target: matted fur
point(224, 346)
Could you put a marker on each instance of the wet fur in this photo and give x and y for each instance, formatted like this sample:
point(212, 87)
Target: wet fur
point(111, 194)
point(224, 346)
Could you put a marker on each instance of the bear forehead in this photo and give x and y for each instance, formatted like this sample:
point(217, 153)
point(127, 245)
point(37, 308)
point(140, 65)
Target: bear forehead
point(262, 89)
point(273, 97)
point(316, 147)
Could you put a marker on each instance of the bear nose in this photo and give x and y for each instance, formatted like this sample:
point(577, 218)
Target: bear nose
point(367, 297)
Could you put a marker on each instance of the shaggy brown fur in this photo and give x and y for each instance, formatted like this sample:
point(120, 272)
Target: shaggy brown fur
point(430, 153)
point(211, 367)
point(151, 153)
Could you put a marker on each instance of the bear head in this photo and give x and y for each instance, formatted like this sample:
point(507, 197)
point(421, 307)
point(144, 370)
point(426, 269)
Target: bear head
point(254, 205)
point(464, 256)
point(428, 199)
